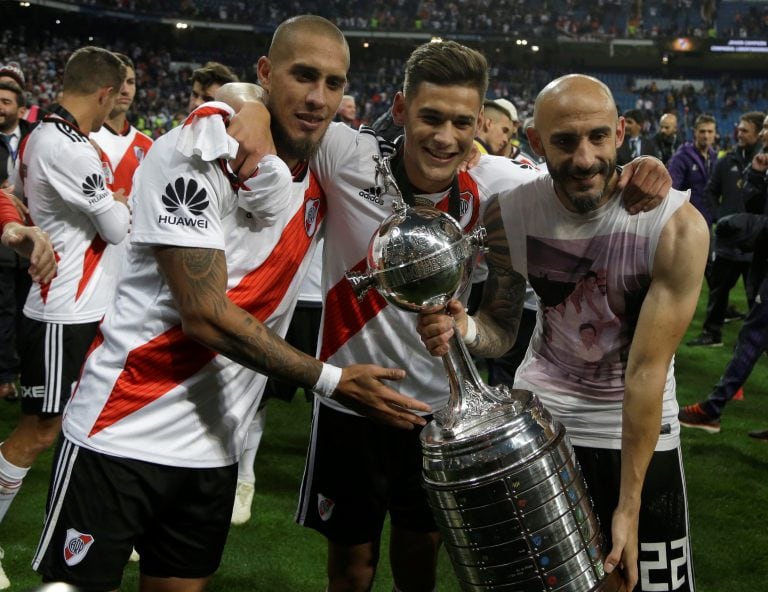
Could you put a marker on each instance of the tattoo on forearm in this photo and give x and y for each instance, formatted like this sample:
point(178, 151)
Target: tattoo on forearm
point(498, 318)
point(198, 280)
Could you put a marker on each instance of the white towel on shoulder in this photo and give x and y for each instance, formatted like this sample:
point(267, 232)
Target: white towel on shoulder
point(204, 133)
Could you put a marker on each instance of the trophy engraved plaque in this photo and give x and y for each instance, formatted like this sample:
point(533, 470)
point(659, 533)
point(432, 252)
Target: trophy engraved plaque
point(501, 477)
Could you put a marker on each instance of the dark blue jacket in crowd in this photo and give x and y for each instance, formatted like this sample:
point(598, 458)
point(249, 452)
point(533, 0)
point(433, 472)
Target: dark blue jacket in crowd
point(724, 192)
point(689, 170)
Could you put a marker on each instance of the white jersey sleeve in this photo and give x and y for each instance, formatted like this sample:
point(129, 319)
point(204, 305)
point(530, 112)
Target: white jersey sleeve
point(78, 180)
point(178, 201)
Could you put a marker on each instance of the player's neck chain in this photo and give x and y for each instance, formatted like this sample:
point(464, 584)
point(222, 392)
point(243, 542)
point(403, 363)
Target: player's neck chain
point(406, 187)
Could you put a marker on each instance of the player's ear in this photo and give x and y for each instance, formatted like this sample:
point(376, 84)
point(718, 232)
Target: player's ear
point(621, 128)
point(534, 139)
point(398, 109)
point(264, 71)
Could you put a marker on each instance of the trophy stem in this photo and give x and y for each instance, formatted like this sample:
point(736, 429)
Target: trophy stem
point(468, 392)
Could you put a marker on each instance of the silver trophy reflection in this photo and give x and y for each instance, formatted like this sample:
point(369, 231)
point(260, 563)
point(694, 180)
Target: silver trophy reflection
point(502, 479)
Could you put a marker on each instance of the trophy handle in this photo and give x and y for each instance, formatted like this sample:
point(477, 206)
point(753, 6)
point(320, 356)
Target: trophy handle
point(361, 282)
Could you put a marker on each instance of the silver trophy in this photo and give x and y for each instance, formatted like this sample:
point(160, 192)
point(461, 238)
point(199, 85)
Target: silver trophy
point(502, 479)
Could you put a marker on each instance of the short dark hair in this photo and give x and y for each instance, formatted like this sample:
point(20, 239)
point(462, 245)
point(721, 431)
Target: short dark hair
point(16, 89)
point(213, 73)
point(90, 68)
point(446, 63)
point(705, 118)
point(635, 114)
point(756, 118)
point(127, 61)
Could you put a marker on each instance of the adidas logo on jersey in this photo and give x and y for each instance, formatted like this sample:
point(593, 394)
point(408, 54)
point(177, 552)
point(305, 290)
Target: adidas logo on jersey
point(184, 196)
point(94, 189)
point(372, 194)
point(76, 546)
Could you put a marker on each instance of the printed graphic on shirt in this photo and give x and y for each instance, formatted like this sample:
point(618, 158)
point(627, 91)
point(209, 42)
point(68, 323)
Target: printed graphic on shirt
point(589, 317)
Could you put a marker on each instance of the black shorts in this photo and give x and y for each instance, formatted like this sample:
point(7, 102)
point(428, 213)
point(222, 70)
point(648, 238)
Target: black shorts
point(52, 356)
point(664, 544)
point(358, 471)
point(100, 507)
point(302, 334)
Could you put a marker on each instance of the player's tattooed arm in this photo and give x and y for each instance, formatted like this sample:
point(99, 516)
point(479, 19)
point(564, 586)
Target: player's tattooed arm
point(198, 282)
point(498, 317)
point(493, 329)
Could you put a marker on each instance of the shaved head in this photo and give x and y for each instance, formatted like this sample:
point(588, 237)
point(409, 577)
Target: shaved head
point(573, 94)
point(286, 34)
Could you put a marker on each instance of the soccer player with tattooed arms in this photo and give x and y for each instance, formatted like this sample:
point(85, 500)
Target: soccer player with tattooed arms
point(358, 471)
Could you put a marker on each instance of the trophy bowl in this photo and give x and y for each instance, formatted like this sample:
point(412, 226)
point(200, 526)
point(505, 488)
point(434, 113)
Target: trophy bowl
point(419, 258)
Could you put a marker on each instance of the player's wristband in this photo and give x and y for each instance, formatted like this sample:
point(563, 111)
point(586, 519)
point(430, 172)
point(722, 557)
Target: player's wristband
point(471, 333)
point(328, 381)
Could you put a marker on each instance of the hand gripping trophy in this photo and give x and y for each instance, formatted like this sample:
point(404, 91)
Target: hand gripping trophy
point(501, 476)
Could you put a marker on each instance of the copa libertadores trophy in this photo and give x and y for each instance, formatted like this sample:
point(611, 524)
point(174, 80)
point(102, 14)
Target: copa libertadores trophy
point(502, 479)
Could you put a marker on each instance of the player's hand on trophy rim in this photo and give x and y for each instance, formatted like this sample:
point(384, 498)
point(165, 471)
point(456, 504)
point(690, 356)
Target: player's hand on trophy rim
point(645, 183)
point(624, 553)
point(362, 389)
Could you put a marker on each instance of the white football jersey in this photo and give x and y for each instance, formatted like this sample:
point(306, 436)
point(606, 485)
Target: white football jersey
point(590, 274)
point(369, 330)
point(149, 392)
point(122, 153)
point(61, 177)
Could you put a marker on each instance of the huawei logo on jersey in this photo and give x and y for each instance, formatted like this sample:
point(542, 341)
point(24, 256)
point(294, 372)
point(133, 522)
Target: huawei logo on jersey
point(94, 189)
point(184, 196)
point(311, 210)
point(184, 193)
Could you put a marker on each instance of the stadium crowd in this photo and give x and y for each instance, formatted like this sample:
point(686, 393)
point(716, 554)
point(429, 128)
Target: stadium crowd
point(163, 81)
point(573, 18)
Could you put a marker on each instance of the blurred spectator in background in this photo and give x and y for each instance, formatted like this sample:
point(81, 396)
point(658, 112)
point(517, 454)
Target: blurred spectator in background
point(122, 146)
point(692, 165)
point(667, 138)
point(724, 194)
point(347, 112)
point(635, 143)
point(512, 149)
point(14, 279)
point(206, 81)
point(494, 129)
point(749, 232)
